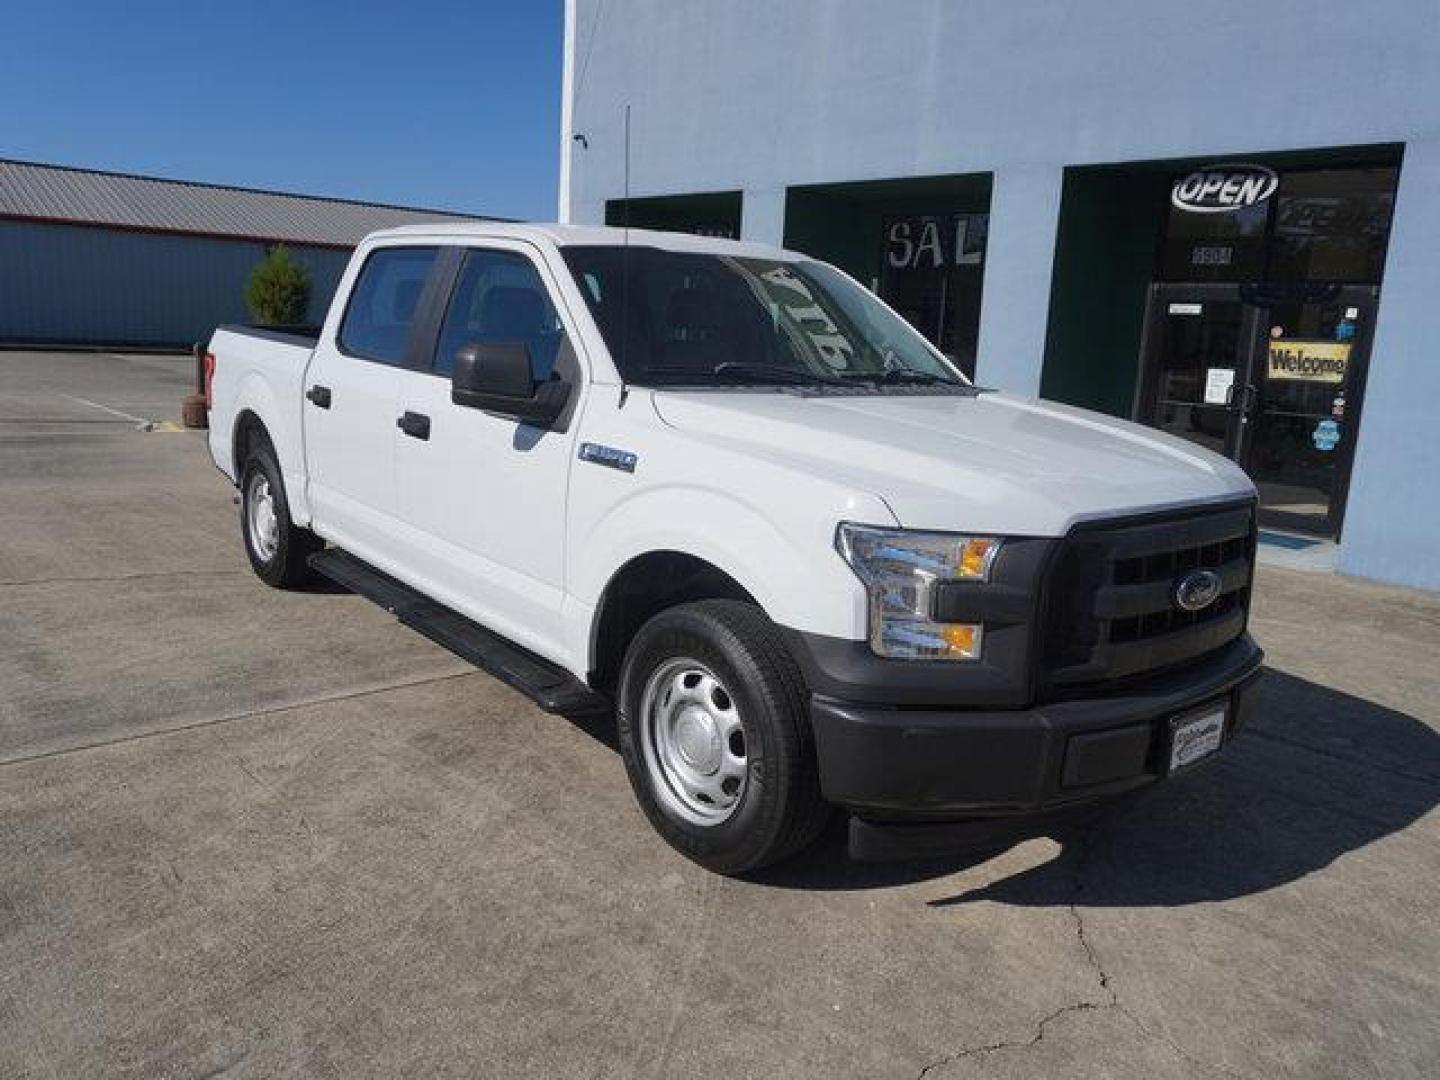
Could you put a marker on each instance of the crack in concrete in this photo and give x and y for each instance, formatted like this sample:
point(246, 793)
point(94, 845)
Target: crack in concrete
point(994, 1048)
point(1087, 843)
point(1111, 1001)
point(997, 1047)
point(103, 579)
point(274, 793)
point(249, 714)
point(227, 1066)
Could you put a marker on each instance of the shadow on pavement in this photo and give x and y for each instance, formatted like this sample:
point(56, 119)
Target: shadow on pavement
point(1317, 774)
point(317, 585)
point(599, 726)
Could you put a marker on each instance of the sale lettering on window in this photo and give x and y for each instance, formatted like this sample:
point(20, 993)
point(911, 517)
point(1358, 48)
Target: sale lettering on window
point(936, 241)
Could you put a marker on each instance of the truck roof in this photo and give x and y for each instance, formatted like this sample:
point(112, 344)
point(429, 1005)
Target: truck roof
point(586, 235)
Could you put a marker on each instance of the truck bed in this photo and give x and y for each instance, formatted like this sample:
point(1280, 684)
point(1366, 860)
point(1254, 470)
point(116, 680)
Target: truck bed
point(306, 334)
point(268, 364)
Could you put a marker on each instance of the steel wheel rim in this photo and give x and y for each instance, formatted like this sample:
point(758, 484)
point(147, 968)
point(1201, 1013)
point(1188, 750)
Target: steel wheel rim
point(693, 742)
point(261, 521)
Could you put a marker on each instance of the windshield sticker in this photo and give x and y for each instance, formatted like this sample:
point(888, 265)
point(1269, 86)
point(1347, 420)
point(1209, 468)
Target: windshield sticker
point(828, 342)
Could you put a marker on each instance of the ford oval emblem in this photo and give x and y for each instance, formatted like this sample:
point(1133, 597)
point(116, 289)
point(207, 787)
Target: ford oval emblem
point(1220, 189)
point(1197, 590)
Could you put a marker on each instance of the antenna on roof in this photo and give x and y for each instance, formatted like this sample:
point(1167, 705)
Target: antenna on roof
point(625, 268)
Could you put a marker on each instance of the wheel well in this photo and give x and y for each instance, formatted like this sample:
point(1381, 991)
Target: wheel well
point(249, 432)
point(643, 587)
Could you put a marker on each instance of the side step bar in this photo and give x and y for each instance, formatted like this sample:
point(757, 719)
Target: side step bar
point(552, 688)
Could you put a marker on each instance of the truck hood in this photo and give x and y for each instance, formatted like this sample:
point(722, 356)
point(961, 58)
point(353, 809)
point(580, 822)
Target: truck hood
point(992, 462)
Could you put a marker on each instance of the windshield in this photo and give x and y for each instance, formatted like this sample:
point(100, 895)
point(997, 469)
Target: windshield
point(684, 318)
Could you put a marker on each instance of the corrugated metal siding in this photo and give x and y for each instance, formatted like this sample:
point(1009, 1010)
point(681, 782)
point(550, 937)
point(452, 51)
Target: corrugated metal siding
point(141, 202)
point(81, 285)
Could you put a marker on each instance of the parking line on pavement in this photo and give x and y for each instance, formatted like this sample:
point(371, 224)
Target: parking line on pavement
point(166, 427)
point(107, 408)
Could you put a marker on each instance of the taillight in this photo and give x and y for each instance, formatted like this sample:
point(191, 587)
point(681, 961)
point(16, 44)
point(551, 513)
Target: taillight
point(209, 381)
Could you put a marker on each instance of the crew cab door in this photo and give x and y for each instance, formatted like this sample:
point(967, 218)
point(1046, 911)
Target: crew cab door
point(351, 388)
point(485, 494)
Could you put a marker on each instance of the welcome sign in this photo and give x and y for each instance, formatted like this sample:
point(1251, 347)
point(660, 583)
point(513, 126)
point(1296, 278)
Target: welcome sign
point(1309, 361)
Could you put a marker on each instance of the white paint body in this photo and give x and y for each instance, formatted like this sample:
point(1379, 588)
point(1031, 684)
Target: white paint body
point(507, 525)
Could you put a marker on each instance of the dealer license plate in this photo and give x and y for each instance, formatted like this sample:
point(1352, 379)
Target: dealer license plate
point(1196, 735)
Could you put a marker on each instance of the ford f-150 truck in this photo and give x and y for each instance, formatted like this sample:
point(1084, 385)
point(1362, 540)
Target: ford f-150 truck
point(724, 490)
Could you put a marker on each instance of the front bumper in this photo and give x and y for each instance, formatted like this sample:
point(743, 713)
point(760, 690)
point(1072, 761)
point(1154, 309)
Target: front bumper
point(922, 764)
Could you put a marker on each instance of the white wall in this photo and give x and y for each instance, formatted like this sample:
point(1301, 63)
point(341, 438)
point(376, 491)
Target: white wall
point(759, 95)
point(1393, 515)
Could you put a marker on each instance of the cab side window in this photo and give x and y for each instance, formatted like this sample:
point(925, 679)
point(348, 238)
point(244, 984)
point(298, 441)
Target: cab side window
point(383, 302)
point(500, 299)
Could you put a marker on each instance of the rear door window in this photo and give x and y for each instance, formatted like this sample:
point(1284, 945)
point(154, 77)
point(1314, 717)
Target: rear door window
point(383, 302)
point(501, 299)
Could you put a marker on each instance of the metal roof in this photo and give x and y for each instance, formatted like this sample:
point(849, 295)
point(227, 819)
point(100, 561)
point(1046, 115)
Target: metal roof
point(84, 196)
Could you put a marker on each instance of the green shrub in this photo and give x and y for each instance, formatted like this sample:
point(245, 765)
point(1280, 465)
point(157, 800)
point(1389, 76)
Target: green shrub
point(278, 293)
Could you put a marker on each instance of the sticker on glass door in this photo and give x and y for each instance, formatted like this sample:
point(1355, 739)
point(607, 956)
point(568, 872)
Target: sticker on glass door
point(1219, 385)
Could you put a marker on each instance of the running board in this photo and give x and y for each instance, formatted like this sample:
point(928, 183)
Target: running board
point(549, 686)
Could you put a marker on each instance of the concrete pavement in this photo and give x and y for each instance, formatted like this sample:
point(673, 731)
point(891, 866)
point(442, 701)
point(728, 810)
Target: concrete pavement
point(248, 833)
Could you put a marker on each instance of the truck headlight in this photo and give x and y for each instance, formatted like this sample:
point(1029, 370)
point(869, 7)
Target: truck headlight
point(900, 569)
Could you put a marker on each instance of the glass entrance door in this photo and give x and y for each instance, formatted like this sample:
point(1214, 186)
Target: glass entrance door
point(1271, 378)
point(1304, 410)
point(1199, 341)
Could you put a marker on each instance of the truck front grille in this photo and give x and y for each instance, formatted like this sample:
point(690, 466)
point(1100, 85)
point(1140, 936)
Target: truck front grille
point(1112, 611)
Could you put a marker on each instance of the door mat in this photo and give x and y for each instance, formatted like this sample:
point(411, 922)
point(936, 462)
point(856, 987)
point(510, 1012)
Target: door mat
point(1293, 543)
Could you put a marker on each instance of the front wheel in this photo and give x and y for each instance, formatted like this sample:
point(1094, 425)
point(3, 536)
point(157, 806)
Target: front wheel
point(716, 738)
point(277, 547)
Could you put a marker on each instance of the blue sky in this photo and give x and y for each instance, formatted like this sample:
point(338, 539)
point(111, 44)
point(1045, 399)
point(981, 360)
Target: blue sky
point(445, 104)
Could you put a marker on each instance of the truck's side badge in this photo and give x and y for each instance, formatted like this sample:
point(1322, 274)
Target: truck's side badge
point(609, 456)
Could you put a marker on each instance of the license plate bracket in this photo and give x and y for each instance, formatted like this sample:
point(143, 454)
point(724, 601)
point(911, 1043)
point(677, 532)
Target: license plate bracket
point(1197, 734)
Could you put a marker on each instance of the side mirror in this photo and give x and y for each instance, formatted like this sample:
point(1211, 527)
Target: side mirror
point(497, 379)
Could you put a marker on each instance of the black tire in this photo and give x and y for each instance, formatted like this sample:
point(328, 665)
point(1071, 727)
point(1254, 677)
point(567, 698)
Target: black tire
point(780, 809)
point(285, 567)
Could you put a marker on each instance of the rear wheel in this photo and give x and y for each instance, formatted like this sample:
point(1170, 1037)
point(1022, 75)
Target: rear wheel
point(716, 738)
point(278, 549)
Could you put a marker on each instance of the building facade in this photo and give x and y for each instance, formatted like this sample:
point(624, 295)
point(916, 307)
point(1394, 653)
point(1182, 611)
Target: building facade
point(98, 258)
point(1216, 219)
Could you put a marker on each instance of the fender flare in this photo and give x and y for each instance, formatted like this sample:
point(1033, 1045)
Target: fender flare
point(749, 549)
point(255, 397)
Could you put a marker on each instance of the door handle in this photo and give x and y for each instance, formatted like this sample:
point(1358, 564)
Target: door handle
point(1248, 394)
point(319, 396)
point(414, 424)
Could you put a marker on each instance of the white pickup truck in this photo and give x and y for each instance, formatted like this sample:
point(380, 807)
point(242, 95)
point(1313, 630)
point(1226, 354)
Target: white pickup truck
point(723, 489)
